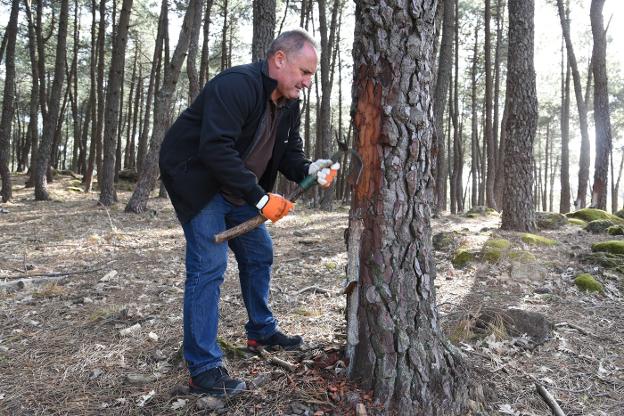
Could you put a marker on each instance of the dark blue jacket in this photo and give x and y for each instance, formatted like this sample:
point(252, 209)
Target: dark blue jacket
point(204, 150)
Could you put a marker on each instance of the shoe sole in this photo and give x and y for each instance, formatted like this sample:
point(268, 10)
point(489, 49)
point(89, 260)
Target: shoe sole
point(241, 387)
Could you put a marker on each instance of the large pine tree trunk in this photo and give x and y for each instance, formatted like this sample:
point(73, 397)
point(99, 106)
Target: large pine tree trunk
point(582, 110)
point(518, 208)
point(395, 343)
point(149, 174)
point(474, 146)
point(8, 103)
point(263, 28)
point(602, 120)
point(108, 196)
point(49, 122)
point(439, 102)
point(204, 67)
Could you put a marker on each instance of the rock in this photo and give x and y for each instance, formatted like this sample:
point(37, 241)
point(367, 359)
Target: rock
point(444, 240)
point(360, 410)
point(542, 290)
point(87, 300)
point(259, 381)
point(522, 256)
point(598, 226)
point(96, 373)
point(152, 336)
point(527, 272)
point(138, 379)
point(612, 246)
point(180, 390)
point(577, 221)
point(480, 210)
point(615, 230)
point(550, 220)
point(494, 249)
point(606, 260)
point(587, 283)
point(620, 213)
point(517, 322)
point(158, 355)
point(210, 403)
point(592, 214)
point(130, 330)
point(537, 240)
point(462, 258)
point(109, 276)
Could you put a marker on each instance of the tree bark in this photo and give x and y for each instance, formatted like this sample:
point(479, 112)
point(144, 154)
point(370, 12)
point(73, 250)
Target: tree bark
point(395, 344)
point(204, 67)
point(518, 208)
point(8, 103)
point(474, 136)
point(149, 174)
point(439, 101)
point(191, 61)
point(33, 129)
point(263, 28)
point(582, 110)
point(49, 122)
point(498, 177)
point(602, 119)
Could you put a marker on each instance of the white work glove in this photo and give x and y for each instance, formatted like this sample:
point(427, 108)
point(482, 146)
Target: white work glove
point(318, 165)
point(326, 175)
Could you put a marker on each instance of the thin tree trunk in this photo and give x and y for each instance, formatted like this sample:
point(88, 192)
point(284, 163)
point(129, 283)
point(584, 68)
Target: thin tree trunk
point(564, 202)
point(615, 197)
point(489, 135)
point(546, 168)
point(499, 177)
point(8, 103)
point(204, 67)
point(439, 103)
point(108, 195)
point(458, 146)
point(191, 61)
point(582, 110)
point(602, 119)
point(518, 208)
point(50, 122)
point(149, 174)
point(474, 133)
point(224, 43)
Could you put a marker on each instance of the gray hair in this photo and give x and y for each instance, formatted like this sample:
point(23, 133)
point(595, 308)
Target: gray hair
point(291, 41)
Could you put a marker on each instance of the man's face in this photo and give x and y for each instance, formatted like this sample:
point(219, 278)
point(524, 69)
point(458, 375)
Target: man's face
point(294, 71)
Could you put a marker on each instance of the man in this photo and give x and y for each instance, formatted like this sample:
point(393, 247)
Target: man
point(219, 162)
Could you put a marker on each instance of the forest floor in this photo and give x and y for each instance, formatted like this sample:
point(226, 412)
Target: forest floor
point(101, 333)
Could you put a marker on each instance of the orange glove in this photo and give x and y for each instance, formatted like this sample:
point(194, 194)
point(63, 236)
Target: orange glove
point(274, 206)
point(326, 175)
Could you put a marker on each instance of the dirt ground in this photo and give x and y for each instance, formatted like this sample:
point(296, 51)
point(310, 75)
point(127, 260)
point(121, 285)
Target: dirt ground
point(101, 332)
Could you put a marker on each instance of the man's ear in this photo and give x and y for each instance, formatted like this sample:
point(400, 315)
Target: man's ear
point(279, 59)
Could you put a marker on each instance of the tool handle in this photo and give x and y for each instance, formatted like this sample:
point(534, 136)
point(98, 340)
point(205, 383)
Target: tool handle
point(254, 222)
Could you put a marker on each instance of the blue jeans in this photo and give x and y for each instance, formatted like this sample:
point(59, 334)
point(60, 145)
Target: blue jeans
point(206, 262)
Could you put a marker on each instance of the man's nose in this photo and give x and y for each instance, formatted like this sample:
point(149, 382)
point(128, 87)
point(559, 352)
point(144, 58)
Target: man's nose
point(307, 82)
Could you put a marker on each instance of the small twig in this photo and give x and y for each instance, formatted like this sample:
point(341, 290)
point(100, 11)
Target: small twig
point(578, 328)
point(274, 360)
point(549, 399)
point(56, 274)
point(312, 288)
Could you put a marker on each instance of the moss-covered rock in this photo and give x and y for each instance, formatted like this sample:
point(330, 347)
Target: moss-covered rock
point(472, 215)
point(586, 282)
point(537, 240)
point(616, 230)
point(550, 220)
point(593, 214)
point(604, 259)
point(494, 249)
point(522, 256)
point(480, 210)
point(612, 246)
point(598, 226)
point(462, 258)
point(620, 213)
point(577, 221)
point(444, 240)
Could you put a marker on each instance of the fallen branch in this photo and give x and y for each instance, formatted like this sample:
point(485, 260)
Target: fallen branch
point(56, 274)
point(549, 399)
point(578, 328)
point(313, 288)
point(274, 360)
point(23, 283)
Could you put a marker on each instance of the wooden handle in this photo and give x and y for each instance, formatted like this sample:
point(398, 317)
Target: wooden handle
point(241, 228)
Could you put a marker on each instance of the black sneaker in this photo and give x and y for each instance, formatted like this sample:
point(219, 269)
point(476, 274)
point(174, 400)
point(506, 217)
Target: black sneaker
point(276, 341)
point(216, 382)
